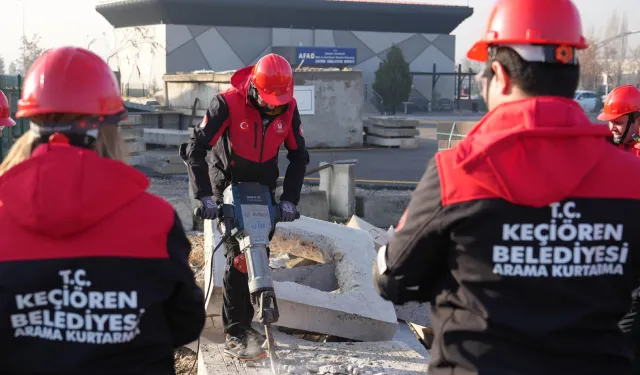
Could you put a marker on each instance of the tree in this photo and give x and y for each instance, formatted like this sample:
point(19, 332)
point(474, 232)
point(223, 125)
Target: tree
point(471, 66)
point(2, 67)
point(616, 51)
point(30, 50)
point(591, 66)
point(13, 69)
point(125, 47)
point(393, 79)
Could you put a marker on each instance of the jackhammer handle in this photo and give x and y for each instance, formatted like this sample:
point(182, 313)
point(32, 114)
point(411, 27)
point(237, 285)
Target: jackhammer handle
point(279, 213)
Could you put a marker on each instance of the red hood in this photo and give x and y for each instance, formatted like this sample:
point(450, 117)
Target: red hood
point(63, 190)
point(240, 80)
point(534, 151)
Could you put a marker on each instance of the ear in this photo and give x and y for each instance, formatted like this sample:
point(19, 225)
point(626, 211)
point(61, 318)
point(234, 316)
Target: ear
point(502, 79)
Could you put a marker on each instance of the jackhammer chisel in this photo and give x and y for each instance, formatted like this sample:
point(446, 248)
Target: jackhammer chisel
point(248, 214)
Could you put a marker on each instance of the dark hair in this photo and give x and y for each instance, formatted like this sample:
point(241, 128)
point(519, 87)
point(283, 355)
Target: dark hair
point(536, 78)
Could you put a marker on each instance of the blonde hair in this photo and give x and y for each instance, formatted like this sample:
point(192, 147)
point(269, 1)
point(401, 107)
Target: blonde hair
point(109, 145)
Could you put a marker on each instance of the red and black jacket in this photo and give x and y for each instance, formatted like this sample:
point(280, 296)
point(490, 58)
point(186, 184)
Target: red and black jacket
point(95, 271)
point(633, 147)
point(524, 239)
point(244, 144)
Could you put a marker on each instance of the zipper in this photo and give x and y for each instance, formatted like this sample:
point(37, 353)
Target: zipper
point(255, 135)
point(264, 130)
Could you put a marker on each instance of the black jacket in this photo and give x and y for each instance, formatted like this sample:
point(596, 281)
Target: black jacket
point(95, 277)
point(524, 239)
point(244, 143)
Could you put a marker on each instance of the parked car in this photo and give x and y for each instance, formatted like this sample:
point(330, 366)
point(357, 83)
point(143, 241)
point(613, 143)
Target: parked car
point(588, 100)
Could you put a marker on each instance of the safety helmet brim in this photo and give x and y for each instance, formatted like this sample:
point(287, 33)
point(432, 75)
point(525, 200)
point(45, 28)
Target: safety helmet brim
point(274, 99)
point(7, 122)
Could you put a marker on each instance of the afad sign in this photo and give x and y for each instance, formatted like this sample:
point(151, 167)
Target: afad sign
point(326, 56)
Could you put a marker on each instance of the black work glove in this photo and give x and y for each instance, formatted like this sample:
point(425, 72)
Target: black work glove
point(209, 208)
point(287, 211)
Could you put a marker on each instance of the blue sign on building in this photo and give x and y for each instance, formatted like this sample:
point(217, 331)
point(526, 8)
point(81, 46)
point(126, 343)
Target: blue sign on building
point(326, 56)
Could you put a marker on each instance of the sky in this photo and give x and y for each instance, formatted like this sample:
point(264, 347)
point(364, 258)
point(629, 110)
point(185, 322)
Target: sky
point(75, 22)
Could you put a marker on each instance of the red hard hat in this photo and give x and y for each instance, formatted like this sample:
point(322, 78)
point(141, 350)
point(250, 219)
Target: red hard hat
point(70, 80)
point(273, 78)
point(529, 22)
point(621, 101)
point(5, 111)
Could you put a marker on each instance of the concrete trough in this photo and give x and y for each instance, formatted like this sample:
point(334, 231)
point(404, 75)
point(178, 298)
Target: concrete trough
point(165, 137)
point(354, 311)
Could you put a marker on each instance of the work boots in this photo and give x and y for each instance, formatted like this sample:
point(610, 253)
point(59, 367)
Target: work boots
point(247, 347)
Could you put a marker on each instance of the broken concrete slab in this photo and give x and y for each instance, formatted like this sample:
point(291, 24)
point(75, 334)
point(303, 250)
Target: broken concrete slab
point(414, 312)
point(298, 356)
point(379, 236)
point(355, 311)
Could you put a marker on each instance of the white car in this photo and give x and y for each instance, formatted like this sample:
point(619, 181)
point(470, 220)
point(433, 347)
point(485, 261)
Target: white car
point(588, 100)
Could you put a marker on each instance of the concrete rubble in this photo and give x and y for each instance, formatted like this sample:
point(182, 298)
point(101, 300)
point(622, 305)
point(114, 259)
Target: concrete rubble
point(298, 356)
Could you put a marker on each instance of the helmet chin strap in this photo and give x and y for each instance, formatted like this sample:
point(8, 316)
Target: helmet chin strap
point(620, 140)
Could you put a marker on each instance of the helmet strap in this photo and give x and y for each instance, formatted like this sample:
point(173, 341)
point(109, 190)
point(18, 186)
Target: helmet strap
point(630, 120)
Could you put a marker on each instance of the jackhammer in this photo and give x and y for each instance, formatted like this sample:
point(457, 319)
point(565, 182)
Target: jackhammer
point(248, 214)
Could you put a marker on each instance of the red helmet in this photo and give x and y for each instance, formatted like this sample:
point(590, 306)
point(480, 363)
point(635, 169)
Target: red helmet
point(273, 78)
point(531, 22)
point(5, 111)
point(621, 101)
point(70, 80)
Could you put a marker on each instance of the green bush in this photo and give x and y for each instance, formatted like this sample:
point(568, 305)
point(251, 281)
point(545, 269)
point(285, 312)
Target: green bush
point(393, 80)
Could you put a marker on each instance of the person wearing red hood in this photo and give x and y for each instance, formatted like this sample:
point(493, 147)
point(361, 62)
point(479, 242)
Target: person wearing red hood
point(95, 271)
point(523, 237)
point(622, 112)
point(243, 130)
point(5, 113)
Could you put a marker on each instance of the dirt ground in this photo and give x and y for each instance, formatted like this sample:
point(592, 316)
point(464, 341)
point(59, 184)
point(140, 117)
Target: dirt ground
point(185, 361)
point(184, 358)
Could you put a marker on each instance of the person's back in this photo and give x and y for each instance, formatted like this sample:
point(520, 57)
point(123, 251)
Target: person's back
point(543, 265)
point(522, 236)
point(95, 269)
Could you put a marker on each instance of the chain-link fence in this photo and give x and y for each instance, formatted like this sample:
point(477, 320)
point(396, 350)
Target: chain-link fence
point(11, 86)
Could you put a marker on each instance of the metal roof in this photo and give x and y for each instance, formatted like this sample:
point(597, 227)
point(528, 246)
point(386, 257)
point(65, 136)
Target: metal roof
point(358, 15)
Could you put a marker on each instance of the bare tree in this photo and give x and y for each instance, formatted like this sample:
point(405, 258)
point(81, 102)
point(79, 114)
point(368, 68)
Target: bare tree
point(471, 66)
point(13, 69)
point(30, 50)
point(591, 66)
point(2, 67)
point(127, 46)
point(616, 51)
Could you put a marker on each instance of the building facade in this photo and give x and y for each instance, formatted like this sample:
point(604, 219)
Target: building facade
point(226, 35)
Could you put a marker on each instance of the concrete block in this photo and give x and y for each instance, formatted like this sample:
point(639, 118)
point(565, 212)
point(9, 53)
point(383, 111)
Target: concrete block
point(391, 132)
point(385, 208)
point(392, 122)
point(131, 120)
point(165, 137)
point(415, 312)
point(354, 311)
point(379, 236)
point(339, 181)
point(135, 160)
point(392, 142)
point(314, 204)
point(135, 147)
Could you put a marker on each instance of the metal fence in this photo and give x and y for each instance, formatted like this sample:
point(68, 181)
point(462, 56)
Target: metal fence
point(11, 86)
